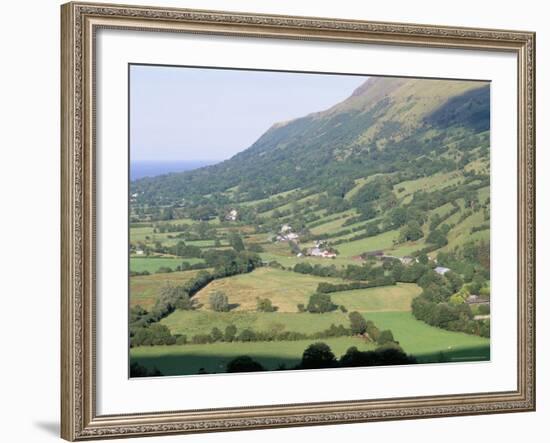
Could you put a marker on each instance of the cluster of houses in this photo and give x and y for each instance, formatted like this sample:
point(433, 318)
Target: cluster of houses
point(319, 252)
point(286, 234)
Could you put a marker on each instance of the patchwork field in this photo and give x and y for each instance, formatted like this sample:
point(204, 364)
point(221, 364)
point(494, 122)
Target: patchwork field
point(382, 187)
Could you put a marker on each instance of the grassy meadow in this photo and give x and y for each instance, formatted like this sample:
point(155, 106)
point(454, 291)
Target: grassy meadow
point(153, 264)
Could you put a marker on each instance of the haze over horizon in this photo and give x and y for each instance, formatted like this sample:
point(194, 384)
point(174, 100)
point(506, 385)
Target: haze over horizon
point(187, 114)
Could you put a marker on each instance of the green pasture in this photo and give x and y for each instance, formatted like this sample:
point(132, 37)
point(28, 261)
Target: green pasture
point(384, 298)
point(201, 322)
point(152, 264)
point(427, 342)
point(382, 241)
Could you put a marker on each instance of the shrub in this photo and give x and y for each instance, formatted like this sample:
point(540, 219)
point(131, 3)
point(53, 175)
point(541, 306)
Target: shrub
point(201, 339)
point(247, 335)
point(265, 305)
point(216, 334)
point(333, 331)
point(218, 302)
point(301, 307)
point(319, 303)
point(181, 339)
point(230, 333)
point(155, 334)
point(357, 322)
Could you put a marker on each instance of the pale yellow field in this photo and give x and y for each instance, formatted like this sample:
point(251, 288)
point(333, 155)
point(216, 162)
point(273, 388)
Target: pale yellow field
point(284, 288)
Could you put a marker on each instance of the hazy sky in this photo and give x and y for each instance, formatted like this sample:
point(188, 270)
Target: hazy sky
point(211, 114)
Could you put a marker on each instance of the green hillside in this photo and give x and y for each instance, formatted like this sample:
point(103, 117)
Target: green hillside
point(384, 125)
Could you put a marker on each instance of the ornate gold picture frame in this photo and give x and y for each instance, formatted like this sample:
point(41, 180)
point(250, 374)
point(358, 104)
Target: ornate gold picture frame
point(80, 22)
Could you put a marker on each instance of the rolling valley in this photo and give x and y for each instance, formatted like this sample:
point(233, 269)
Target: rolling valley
point(358, 235)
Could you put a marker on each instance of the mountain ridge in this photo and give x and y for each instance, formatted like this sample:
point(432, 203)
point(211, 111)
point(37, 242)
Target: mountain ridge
point(386, 121)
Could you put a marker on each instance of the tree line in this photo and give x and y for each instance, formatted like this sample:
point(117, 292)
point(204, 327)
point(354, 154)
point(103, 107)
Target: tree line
point(320, 356)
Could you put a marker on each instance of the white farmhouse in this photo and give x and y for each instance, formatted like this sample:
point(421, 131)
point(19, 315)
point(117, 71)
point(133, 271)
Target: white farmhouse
point(441, 270)
point(318, 252)
point(232, 215)
point(315, 252)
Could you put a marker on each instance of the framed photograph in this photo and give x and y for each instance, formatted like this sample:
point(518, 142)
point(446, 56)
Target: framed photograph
point(277, 221)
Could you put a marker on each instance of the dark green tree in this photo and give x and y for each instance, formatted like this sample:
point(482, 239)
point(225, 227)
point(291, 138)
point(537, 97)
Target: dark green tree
point(317, 356)
point(319, 303)
point(386, 336)
point(244, 363)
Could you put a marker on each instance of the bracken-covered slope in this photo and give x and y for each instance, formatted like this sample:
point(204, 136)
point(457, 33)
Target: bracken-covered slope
point(415, 126)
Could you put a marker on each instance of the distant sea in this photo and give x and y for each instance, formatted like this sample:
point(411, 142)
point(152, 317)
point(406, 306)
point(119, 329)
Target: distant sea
point(140, 169)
